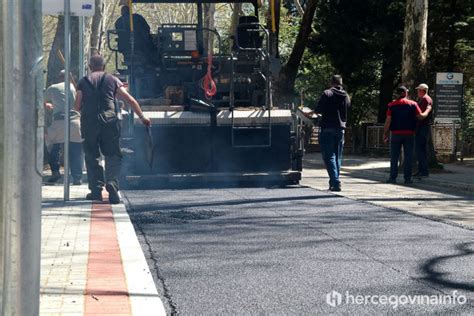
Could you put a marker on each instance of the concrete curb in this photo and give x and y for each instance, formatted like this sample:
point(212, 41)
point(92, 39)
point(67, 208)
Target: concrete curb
point(144, 297)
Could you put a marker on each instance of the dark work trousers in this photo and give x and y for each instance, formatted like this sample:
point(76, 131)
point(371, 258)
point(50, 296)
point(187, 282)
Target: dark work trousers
point(75, 159)
point(331, 141)
point(421, 146)
point(396, 143)
point(102, 138)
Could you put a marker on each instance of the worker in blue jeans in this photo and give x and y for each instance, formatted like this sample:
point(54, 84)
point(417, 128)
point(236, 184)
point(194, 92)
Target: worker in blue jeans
point(75, 162)
point(333, 106)
point(55, 101)
point(401, 121)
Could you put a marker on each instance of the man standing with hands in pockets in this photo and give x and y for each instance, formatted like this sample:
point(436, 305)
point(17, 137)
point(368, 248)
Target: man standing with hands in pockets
point(333, 106)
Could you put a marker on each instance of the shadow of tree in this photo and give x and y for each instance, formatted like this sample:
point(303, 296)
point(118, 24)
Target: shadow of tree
point(434, 275)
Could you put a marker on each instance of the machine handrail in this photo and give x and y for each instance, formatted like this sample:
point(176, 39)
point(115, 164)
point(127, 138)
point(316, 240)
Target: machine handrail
point(109, 32)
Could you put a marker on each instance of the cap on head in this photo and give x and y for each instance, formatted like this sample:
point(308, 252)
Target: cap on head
point(336, 80)
point(422, 86)
point(402, 90)
point(97, 63)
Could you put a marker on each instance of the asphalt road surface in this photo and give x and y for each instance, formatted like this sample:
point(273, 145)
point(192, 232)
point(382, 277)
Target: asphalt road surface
point(281, 251)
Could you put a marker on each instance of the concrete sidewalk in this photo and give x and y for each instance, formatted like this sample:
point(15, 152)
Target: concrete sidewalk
point(91, 261)
point(443, 197)
point(458, 177)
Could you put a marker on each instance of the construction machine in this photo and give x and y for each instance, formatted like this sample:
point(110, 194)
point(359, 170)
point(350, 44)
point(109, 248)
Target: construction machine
point(214, 117)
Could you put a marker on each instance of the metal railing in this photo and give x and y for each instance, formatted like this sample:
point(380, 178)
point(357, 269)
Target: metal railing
point(374, 137)
point(263, 62)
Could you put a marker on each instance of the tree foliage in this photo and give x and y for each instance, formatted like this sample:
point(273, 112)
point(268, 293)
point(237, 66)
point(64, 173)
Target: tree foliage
point(360, 39)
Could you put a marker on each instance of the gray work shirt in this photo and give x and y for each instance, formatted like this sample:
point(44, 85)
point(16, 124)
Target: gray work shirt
point(56, 95)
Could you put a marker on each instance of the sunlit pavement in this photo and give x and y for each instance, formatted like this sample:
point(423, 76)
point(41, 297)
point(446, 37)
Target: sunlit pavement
point(91, 262)
point(365, 182)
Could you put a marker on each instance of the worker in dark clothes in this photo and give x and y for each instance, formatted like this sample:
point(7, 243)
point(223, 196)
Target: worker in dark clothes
point(144, 46)
point(144, 57)
point(423, 132)
point(100, 127)
point(402, 115)
point(333, 107)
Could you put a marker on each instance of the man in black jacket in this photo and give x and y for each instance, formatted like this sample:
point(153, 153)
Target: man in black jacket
point(144, 47)
point(333, 106)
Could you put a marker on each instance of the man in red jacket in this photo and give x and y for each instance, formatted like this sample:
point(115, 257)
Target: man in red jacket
point(402, 115)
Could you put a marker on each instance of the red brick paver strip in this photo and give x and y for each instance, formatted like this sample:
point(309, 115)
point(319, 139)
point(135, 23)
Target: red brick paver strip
point(106, 289)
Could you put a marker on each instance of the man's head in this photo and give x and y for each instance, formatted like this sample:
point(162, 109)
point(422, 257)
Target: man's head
point(125, 10)
point(336, 80)
point(422, 89)
point(97, 63)
point(401, 92)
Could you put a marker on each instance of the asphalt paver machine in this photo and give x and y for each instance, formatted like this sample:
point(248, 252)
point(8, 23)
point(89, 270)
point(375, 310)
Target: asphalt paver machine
point(214, 118)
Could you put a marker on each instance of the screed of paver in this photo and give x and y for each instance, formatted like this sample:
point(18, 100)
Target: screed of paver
point(106, 290)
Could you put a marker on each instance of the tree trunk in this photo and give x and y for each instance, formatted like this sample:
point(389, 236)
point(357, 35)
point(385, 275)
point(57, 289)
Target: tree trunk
point(415, 53)
point(97, 28)
point(236, 14)
point(287, 77)
point(414, 43)
point(388, 76)
point(55, 64)
point(209, 23)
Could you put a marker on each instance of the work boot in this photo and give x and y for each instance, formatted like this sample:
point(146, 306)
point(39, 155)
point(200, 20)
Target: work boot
point(54, 177)
point(391, 180)
point(408, 181)
point(76, 182)
point(114, 196)
point(94, 196)
point(335, 188)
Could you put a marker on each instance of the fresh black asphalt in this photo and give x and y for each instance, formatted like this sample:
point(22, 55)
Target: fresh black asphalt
point(282, 250)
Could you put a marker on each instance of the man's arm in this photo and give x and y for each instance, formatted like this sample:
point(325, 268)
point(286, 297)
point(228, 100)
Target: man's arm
point(78, 101)
point(47, 100)
point(422, 116)
point(125, 96)
point(386, 128)
point(321, 103)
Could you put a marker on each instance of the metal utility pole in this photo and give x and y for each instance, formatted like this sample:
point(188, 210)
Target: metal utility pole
point(21, 155)
point(81, 47)
point(67, 83)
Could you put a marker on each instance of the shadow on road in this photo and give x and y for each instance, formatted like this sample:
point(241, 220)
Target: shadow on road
point(434, 274)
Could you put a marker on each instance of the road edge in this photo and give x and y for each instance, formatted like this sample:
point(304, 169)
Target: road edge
point(144, 296)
